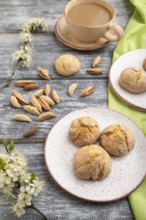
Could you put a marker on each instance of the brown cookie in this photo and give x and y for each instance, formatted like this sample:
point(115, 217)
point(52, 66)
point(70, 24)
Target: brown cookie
point(67, 65)
point(84, 131)
point(144, 64)
point(133, 80)
point(92, 162)
point(117, 140)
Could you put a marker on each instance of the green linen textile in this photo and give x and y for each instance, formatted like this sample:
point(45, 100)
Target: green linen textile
point(134, 38)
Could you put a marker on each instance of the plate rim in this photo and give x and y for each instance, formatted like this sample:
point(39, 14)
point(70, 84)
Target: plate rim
point(114, 90)
point(73, 45)
point(66, 190)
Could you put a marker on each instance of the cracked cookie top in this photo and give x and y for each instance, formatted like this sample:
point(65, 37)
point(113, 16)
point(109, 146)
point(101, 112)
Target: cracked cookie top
point(133, 80)
point(92, 162)
point(84, 131)
point(117, 139)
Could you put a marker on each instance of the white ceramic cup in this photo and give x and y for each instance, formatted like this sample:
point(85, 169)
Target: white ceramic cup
point(92, 32)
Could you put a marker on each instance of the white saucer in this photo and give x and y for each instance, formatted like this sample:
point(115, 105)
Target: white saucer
point(133, 58)
point(66, 37)
point(127, 171)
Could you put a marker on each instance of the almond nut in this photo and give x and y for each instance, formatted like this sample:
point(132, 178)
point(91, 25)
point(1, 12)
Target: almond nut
point(55, 96)
point(43, 73)
point(31, 109)
point(47, 99)
point(15, 102)
point(96, 61)
point(22, 83)
point(95, 71)
point(87, 91)
point(46, 115)
point(47, 89)
point(44, 105)
point(21, 117)
point(30, 132)
point(36, 103)
point(39, 92)
point(31, 86)
point(19, 97)
point(72, 88)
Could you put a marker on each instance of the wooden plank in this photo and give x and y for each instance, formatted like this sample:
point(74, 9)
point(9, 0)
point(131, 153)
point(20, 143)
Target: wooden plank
point(54, 202)
point(46, 49)
point(58, 204)
point(13, 129)
point(13, 13)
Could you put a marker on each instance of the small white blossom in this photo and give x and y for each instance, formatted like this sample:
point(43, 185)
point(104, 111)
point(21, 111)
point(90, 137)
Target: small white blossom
point(36, 187)
point(15, 182)
point(5, 156)
point(19, 159)
point(34, 24)
point(5, 178)
point(18, 209)
point(12, 174)
point(23, 55)
point(24, 195)
point(26, 37)
point(25, 189)
point(27, 177)
point(6, 188)
point(43, 24)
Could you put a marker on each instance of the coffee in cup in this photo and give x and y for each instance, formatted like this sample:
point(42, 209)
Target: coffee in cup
point(89, 20)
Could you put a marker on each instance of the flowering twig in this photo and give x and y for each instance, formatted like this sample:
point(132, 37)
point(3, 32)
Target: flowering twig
point(15, 182)
point(11, 76)
point(37, 210)
point(35, 23)
point(23, 56)
point(30, 27)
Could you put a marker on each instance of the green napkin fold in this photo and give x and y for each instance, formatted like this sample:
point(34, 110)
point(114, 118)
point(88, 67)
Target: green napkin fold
point(134, 38)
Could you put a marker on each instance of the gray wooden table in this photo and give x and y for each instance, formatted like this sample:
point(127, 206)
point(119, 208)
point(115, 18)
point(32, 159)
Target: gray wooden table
point(54, 202)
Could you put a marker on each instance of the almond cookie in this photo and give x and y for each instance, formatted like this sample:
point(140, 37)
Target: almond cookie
point(67, 65)
point(92, 162)
point(117, 140)
point(144, 64)
point(84, 131)
point(133, 80)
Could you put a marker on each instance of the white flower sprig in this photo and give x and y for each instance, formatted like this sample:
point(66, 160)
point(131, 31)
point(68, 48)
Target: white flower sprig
point(34, 24)
point(24, 55)
point(15, 182)
point(26, 37)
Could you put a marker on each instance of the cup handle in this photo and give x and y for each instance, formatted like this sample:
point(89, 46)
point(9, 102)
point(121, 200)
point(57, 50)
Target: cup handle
point(114, 33)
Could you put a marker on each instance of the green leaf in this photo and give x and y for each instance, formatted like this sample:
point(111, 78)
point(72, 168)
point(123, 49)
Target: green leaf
point(11, 148)
point(5, 142)
point(2, 163)
point(33, 177)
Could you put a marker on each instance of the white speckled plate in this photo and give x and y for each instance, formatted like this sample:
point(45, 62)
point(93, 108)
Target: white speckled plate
point(127, 171)
point(133, 58)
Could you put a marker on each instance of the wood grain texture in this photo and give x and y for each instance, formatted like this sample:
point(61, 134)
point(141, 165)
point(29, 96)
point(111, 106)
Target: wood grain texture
point(54, 202)
point(14, 129)
point(46, 49)
point(14, 13)
point(58, 204)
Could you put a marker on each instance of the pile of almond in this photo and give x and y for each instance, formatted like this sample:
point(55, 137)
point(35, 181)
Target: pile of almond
point(41, 100)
